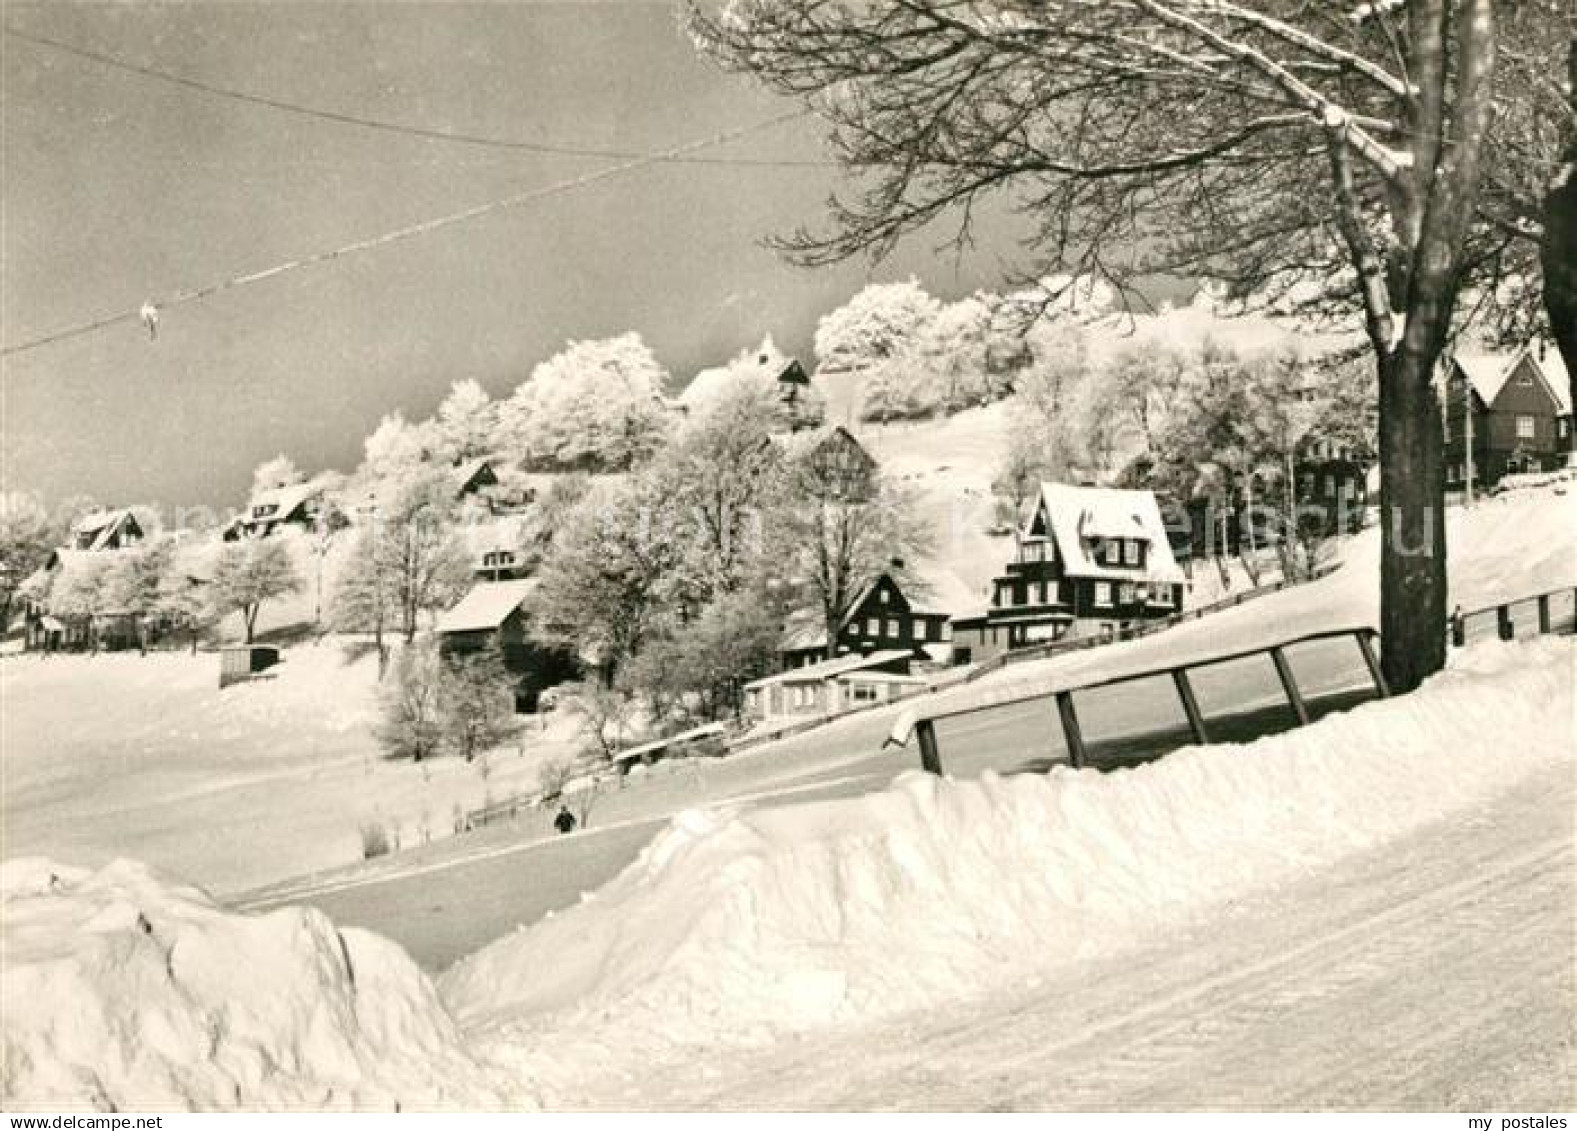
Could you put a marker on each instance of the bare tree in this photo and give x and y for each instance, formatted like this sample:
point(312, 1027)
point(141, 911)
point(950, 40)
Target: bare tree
point(1279, 145)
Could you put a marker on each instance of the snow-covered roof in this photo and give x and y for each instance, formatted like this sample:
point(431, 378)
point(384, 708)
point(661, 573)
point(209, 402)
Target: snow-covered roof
point(284, 500)
point(1075, 514)
point(1488, 371)
point(486, 606)
point(707, 730)
point(503, 532)
point(765, 360)
point(828, 669)
point(102, 526)
point(469, 470)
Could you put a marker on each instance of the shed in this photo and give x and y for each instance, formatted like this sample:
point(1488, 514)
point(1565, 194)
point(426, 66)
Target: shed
point(244, 661)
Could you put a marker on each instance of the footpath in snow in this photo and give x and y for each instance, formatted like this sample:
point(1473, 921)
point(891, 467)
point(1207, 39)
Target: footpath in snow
point(739, 928)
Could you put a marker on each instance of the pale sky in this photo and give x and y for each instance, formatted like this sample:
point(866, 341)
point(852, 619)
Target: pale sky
point(118, 187)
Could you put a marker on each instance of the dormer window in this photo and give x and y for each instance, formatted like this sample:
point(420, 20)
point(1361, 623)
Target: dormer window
point(1114, 551)
point(1131, 552)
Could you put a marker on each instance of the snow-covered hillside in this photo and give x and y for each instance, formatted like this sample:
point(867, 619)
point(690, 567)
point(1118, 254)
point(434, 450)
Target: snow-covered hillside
point(145, 756)
point(739, 928)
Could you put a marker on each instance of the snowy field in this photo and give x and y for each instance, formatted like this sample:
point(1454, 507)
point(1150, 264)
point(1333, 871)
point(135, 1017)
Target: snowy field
point(144, 756)
point(885, 915)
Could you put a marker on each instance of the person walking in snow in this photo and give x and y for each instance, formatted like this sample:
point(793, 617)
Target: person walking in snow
point(565, 821)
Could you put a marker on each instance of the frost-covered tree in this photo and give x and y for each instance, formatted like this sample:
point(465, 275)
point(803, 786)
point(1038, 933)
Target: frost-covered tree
point(278, 472)
point(595, 406)
point(410, 718)
point(605, 581)
point(466, 421)
point(397, 447)
point(250, 573)
point(28, 532)
point(476, 703)
point(878, 323)
point(133, 583)
point(836, 541)
point(723, 476)
point(408, 561)
point(1286, 147)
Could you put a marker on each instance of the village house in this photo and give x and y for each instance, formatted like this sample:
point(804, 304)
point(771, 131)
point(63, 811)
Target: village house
point(491, 617)
point(473, 477)
point(881, 618)
point(268, 511)
point(790, 379)
point(105, 530)
point(837, 462)
point(832, 687)
point(495, 549)
point(1505, 414)
point(1089, 560)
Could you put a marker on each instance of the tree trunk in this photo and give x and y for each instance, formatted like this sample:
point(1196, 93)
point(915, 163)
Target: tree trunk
point(1559, 252)
point(1412, 523)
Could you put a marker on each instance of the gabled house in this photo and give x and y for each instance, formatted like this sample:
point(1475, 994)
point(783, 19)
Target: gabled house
point(1505, 414)
point(881, 618)
point(787, 375)
point(105, 530)
point(473, 476)
point(833, 458)
point(1089, 560)
point(492, 617)
point(495, 548)
point(268, 511)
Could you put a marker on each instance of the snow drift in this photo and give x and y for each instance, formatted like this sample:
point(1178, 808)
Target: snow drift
point(123, 991)
point(739, 927)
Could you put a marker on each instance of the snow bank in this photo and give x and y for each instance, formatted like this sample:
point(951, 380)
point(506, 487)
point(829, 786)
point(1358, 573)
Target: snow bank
point(741, 926)
point(125, 992)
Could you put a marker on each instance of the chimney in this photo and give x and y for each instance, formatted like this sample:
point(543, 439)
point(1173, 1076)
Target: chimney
point(896, 563)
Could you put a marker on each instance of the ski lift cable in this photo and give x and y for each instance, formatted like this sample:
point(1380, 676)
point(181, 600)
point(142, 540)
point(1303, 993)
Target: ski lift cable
point(425, 132)
point(148, 310)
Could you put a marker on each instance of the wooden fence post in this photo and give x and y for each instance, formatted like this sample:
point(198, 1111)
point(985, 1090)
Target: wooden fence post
point(1508, 630)
point(1290, 686)
point(1544, 614)
point(1070, 729)
point(930, 756)
point(1372, 662)
point(1185, 692)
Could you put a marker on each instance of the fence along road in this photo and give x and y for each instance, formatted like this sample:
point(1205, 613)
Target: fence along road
point(459, 894)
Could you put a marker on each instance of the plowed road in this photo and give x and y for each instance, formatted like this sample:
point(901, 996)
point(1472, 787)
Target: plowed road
point(1437, 974)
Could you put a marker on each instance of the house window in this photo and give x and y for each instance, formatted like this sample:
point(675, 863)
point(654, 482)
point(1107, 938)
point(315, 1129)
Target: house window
point(890, 627)
point(1103, 593)
point(1114, 552)
point(1562, 427)
point(872, 628)
point(863, 693)
point(1125, 593)
point(1524, 427)
point(1161, 594)
point(882, 595)
point(1131, 553)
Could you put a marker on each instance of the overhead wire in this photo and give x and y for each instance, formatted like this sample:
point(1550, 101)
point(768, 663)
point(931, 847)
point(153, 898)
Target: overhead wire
point(428, 133)
point(409, 231)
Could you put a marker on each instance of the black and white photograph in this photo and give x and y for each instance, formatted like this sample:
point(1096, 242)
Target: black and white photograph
point(839, 556)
